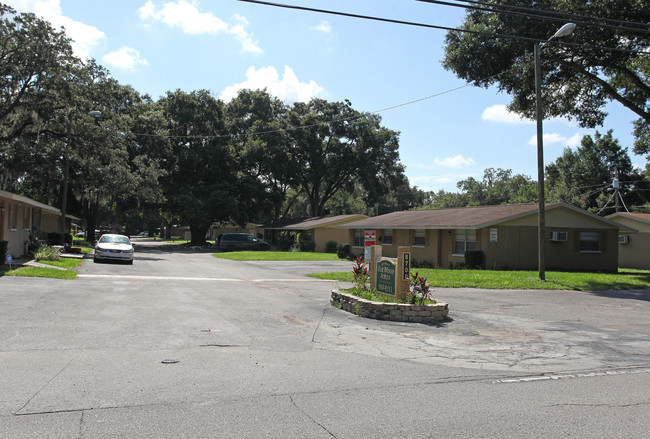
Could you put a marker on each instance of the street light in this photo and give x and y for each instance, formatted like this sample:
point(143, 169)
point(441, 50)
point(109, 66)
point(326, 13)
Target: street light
point(541, 247)
point(66, 172)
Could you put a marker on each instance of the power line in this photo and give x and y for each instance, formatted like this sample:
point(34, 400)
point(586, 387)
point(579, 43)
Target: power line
point(450, 29)
point(547, 15)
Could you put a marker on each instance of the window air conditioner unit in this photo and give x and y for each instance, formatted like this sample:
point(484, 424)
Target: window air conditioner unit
point(623, 239)
point(559, 236)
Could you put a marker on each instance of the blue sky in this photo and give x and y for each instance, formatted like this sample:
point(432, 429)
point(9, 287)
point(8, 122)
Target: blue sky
point(225, 45)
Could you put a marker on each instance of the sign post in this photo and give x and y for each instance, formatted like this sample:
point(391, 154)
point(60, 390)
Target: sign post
point(370, 240)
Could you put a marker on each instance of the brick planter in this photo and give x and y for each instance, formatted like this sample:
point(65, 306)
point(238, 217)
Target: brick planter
point(396, 312)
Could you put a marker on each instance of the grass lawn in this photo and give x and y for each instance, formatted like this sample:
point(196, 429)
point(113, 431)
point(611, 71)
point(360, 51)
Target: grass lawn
point(278, 256)
point(625, 279)
point(68, 263)
point(51, 273)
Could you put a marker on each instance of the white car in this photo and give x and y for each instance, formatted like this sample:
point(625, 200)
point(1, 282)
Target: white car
point(114, 247)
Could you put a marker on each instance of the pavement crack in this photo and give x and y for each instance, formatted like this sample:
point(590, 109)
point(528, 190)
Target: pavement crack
point(612, 406)
point(47, 384)
point(313, 336)
point(81, 425)
point(310, 417)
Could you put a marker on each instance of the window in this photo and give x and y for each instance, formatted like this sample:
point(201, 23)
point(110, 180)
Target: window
point(359, 238)
point(589, 242)
point(36, 220)
point(12, 216)
point(419, 238)
point(26, 215)
point(388, 237)
point(464, 240)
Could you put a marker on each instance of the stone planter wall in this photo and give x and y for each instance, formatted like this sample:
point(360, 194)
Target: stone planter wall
point(396, 312)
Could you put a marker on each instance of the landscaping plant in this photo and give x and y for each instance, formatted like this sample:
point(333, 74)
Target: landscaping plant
point(420, 290)
point(46, 253)
point(360, 274)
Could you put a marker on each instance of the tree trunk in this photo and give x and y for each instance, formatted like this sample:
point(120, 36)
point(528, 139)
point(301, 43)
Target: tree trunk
point(198, 234)
point(91, 221)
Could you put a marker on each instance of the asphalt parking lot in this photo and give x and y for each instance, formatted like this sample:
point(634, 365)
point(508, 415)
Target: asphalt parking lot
point(258, 352)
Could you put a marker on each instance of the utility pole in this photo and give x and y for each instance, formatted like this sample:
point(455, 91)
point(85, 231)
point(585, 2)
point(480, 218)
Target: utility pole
point(616, 184)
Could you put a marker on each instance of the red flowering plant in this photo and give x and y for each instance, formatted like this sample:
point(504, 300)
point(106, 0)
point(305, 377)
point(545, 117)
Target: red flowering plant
point(420, 290)
point(360, 274)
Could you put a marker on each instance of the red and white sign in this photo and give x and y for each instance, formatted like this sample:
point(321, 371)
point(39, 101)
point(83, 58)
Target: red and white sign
point(370, 240)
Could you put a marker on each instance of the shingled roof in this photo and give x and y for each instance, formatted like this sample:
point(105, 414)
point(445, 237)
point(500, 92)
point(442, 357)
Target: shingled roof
point(643, 217)
point(455, 218)
point(314, 222)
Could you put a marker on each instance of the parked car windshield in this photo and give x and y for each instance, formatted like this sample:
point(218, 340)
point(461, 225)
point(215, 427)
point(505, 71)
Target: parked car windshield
point(114, 239)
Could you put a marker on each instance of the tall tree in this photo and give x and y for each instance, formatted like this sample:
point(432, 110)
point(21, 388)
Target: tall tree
point(34, 59)
point(584, 177)
point(578, 79)
point(334, 147)
point(257, 122)
point(498, 186)
point(101, 171)
point(204, 182)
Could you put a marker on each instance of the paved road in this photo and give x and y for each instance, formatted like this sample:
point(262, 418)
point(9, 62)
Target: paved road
point(260, 353)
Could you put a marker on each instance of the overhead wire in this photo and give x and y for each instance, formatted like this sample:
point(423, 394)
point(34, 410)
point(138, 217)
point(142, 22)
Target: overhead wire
point(293, 128)
point(450, 29)
point(583, 20)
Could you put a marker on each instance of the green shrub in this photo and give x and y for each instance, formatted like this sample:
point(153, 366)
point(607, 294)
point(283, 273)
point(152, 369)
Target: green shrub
point(343, 251)
point(54, 238)
point(46, 253)
point(474, 259)
point(331, 247)
point(304, 244)
point(4, 245)
point(284, 242)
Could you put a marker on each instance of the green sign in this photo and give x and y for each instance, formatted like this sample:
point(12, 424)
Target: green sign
point(386, 274)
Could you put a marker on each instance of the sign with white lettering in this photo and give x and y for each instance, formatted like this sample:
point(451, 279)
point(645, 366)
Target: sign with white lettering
point(406, 266)
point(386, 275)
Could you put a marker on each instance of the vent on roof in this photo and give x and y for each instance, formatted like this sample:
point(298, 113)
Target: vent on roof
point(559, 236)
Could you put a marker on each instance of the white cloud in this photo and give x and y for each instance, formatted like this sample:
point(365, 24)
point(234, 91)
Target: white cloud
point(501, 114)
point(289, 88)
point(125, 58)
point(551, 138)
point(187, 17)
point(84, 37)
point(324, 26)
point(456, 162)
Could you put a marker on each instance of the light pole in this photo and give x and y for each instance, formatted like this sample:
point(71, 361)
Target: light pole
point(541, 246)
point(66, 172)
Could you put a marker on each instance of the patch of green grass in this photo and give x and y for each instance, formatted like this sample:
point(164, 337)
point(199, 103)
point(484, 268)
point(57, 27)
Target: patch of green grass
point(68, 263)
point(339, 276)
point(625, 279)
point(51, 273)
point(277, 256)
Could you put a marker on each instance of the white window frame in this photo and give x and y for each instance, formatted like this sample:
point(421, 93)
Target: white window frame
point(467, 242)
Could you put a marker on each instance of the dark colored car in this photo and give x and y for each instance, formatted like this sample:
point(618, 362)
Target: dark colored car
point(240, 241)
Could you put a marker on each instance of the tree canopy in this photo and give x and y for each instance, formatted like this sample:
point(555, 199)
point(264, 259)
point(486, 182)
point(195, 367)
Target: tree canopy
point(579, 79)
point(585, 177)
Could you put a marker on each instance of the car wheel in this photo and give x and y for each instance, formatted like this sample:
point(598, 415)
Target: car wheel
point(130, 262)
point(229, 248)
point(95, 259)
